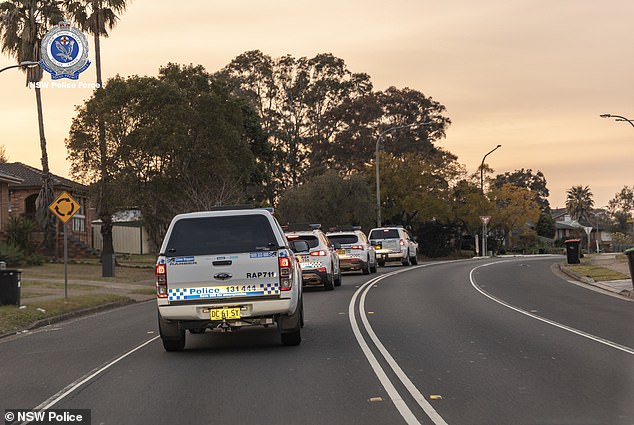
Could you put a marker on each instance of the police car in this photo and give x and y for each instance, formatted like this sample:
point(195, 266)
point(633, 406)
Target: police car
point(394, 243)
point(355, 252)
point(320, 263)
point(226, 269)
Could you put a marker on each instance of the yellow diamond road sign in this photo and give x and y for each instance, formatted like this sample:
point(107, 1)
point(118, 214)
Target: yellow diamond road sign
point(64, 207)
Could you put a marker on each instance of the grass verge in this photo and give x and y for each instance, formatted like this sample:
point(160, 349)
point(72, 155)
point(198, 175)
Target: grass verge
point(13, 318)
point(596, 273)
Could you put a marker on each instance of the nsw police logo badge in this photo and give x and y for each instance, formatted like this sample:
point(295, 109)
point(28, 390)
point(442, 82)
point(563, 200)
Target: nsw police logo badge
point(64, 52)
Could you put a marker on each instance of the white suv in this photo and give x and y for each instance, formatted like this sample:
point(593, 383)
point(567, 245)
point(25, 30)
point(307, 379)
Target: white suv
point(320, 262)
point(394, 243)
point(226, 269)
point(355, 251)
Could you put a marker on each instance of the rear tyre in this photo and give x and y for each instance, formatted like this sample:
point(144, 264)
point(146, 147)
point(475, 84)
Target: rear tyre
point(405, 261)
point(382, 263)
point(366, 267)
point(373, 267)
point(338, 278)
point(173, 338)
point(330, 282)
point(294, 336)
point(414, 260)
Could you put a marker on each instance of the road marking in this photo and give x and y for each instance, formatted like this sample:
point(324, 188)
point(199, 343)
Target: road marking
point(90, 375)
point(396, 398)
point(595, 338)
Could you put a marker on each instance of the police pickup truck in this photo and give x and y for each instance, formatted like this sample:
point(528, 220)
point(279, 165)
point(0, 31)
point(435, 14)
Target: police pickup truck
point(223, 270)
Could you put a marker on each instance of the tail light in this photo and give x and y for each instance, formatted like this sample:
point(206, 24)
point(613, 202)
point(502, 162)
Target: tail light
point(357, 246)
point(286, 273)
point(161, 280)
point(402, 242)
point(320, 253)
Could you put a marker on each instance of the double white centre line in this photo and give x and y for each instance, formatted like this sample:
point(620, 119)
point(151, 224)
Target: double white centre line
point(393, 393)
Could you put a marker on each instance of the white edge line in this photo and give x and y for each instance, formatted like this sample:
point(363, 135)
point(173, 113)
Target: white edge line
point(542, 319)
point(416, 394)
point(78, 383)
point(400, 405)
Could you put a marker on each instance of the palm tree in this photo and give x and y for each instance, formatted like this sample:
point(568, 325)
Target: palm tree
point(579, 202)
point(23, 24)
point(97, 17)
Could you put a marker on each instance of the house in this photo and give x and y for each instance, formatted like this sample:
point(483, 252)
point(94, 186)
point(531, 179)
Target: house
point(6, 179)
point(24, 188)
point(566, 228)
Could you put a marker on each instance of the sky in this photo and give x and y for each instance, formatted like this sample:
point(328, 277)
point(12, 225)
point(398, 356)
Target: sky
point(530, 75)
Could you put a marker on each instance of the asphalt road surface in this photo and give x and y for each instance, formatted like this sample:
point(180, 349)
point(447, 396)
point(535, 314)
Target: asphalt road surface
point(498, 341)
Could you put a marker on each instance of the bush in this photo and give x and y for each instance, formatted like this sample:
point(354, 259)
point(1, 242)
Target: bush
point(19, 231)
point(12, 255)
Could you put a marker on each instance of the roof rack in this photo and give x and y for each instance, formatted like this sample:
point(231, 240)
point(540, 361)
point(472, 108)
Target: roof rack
point(298, 227)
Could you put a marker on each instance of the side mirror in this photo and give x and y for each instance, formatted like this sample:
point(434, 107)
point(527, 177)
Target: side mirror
point(299, 245)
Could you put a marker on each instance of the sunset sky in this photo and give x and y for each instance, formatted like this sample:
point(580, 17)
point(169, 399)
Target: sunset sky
point(531, 75)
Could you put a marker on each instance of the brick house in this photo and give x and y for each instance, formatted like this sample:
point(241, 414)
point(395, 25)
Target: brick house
point(23, 191)
point(6, 179)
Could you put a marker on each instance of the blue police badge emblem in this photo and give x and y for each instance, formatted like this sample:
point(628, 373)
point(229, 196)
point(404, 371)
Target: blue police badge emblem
point(64, 52)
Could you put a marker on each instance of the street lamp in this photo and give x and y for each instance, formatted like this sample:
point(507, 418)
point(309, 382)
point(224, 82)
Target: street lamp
point(376, 161)
point(617, 118)
point(24, 64)
point(482, 168)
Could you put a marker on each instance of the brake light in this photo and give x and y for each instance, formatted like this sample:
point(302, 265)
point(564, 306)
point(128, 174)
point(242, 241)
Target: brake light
point(161, 280)
point(320, 253)
point(402, 242)
point(357, 246)
point(286, 277)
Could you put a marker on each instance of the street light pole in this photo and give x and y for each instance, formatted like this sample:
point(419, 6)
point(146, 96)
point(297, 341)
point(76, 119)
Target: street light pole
point(482, 168)
point(376, 161)
point(617, 118)
point(24, 64)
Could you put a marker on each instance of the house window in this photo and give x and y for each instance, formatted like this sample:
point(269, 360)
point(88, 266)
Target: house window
point(79, 219)
point(29, 206)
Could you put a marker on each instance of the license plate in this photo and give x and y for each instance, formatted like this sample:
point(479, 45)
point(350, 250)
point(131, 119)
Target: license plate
point(378, 246)
point(341, 251)
point(224, 313)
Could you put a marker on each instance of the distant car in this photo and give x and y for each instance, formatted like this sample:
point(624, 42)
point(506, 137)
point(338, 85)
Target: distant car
point(355, 252)
point(320, 264)
point(394, 243)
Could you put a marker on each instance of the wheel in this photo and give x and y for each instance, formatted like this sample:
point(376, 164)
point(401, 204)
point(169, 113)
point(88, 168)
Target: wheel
point(330, 283)
point(414, 259)
point(294, 336)
point(366, 267)
point(405, 261)
point(373, 267)
point(338, 278)
point(173, 338)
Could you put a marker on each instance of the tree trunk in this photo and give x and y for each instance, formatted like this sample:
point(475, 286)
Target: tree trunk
point(105, 210)
point(46, 196)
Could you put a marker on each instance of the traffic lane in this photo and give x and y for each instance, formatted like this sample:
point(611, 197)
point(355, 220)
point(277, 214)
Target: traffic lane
point(491, 364)
point(36, 365)
point(248, 377)
point(531, 285)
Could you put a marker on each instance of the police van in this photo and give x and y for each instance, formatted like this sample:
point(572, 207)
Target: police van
point(225, 269)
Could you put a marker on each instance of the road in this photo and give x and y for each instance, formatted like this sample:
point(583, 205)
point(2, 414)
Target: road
point(499, 341)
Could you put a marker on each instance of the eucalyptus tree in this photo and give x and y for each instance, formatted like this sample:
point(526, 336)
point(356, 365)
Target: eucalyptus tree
point(175, 143)
point(97, 17)
point(23, 24)
point(579, 202)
